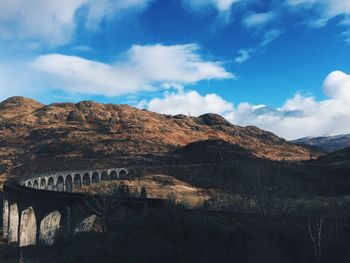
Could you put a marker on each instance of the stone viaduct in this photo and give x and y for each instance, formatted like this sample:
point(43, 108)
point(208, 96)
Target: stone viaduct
point(38, 208)
point(69, 180)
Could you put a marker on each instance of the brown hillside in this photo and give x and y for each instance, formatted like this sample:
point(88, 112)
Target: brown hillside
point(36, 137)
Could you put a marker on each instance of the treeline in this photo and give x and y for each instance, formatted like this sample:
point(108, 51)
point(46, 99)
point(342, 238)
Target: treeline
point(172, 235)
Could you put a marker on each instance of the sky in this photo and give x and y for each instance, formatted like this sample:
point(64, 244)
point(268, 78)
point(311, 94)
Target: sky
point(280, 65)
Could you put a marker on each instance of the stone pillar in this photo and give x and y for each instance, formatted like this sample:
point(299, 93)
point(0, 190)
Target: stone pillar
point(13, 223)
point(5, 218)
point(28, 228)
point(68, 221)
point(49, 226)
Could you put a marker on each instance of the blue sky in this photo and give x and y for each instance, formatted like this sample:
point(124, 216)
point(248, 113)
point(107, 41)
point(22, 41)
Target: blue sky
point(281, 65)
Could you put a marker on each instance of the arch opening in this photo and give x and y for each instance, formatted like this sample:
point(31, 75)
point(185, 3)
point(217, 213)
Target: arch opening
point(86, 179)
point(113, 175)
point(122, 174)
point(49, 227)
point(43, 184)
point(69, 184)
point(27, 232)
point(77, 181)
point(29, 184)
point(95, 178)
point(60, 183)
point(104, 176)
point(50, 184)
point(36, 184)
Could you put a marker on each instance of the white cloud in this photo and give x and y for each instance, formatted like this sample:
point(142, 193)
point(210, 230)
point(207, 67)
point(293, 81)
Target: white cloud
point(270, 36)
point(324, 11)
point(259, 19)
point(142, 68)
point(302, 116)
point(244, 55)
point(220, 5)
point(188, 102)
point(101, 9)
point(327, 9)
point(299, 116)
point(54, 21)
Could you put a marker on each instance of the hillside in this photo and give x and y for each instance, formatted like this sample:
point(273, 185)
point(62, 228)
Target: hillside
point(59, 136)
point(326, 143)
point(337, 158)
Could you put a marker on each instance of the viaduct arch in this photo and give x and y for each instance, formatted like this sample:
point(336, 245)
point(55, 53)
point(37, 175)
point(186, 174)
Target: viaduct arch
point(36, 208)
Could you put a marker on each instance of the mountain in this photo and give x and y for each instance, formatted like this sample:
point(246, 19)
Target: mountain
point(36, 137)
point(336, 158)
point(326, 143)
point(16, 106)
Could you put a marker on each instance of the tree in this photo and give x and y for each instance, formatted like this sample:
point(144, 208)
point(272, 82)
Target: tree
point(123, 190)
point(267, 189)
point(315, 231)
point(102, 203)
point(143, 192)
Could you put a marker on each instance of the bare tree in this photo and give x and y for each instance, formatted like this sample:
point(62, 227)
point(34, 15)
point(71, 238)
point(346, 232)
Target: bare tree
point(103, 203)
point(267, 190)
point(315, 231)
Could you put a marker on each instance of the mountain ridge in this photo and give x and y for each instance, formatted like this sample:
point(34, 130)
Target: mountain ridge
point(66, 135)
point(329, 143)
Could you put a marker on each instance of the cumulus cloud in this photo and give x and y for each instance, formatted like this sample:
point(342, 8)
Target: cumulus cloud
point(299, 116)
point(302, 116)
point(142, 68)
point(259, 19)
point(53, 22)
point(188, 102)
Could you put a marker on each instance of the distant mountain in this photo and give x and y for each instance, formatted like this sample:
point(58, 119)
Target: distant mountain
point(325, 143)
point(336, 158)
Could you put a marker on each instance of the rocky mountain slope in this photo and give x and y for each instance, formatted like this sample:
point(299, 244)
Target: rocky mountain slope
point(326, 143)
point(59, 136)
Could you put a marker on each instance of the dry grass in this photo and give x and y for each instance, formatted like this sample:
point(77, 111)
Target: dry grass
point(161, 186)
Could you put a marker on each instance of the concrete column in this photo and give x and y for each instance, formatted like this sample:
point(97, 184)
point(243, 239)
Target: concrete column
point(49, 226)
point(68, 221)
point(5, 218)
point(13, 223)
point(28, 228)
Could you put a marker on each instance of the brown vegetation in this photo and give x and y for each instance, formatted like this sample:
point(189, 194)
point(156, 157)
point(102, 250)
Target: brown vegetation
point(36, 137)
